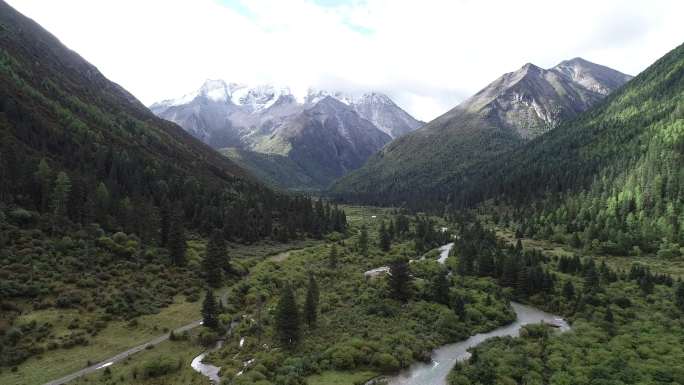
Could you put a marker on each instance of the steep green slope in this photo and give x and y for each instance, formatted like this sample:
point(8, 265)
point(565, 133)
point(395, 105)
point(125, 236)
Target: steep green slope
point(273, 169)
point(516, 107)
point(612, 180)
point(98, 197)
point(414, 168)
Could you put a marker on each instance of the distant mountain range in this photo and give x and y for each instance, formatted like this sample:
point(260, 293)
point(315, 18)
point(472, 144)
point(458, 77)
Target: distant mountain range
point(513, 109)
point(324, 134)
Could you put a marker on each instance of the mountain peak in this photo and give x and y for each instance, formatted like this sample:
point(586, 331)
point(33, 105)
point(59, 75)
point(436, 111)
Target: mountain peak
point(215, 90)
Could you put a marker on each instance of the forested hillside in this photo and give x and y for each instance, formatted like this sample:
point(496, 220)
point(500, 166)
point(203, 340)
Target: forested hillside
point(98, 196)
point(518, 106)
point(611, 180)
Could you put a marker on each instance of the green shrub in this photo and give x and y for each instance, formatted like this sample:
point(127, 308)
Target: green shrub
point(159, 366)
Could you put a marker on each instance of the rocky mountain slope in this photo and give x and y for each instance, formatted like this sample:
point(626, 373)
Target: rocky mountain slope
point(513, 109)
point(327, 134)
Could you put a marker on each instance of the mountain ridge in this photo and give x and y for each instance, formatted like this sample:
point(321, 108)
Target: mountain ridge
point(271, 119)
point(516, 107)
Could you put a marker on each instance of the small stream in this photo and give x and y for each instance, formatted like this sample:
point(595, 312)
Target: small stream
point(208, 370)
point(445, 357)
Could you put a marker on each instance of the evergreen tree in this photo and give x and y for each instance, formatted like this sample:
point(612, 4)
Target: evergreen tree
point(60, 196)
point(215, 259)
point(400, 280)
point(362, 244)
point(332, 257)
point(608, 317)
point(176, 241)
point(440, 289)
point(311, 304)
point(385, 240)
point(287, 318)
point(102, 204)
point(44, 179)
point(568, 290)
point(165, 223)
point(591, 277)
point(459, 307)
point(519, 246)
point(679, 296)
point(210, 311)
point(485, 264)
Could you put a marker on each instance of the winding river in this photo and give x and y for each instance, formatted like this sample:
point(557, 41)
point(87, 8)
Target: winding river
point(208, 370)
point(443, 358)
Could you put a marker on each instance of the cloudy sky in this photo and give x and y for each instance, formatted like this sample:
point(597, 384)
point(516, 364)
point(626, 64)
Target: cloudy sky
point(426, 54)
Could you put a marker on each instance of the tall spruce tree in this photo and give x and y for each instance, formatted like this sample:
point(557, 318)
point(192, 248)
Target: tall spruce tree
point(311, 304)
point(176, 241)
point(569, 290)
point(60, 196)
point(440, 288)
point(287, 321)
point(210, 311)
point(459, 307)
point(215, 259)
point(43, 177)
point(332, 256)
point(384, 238)
point(679, 296)
point(400, 280)
point(362, 244)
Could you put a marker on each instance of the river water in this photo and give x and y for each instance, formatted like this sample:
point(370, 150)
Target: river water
point(445, 357)
point(207, 370)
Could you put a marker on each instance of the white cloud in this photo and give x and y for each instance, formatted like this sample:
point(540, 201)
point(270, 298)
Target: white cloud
point(428, 54)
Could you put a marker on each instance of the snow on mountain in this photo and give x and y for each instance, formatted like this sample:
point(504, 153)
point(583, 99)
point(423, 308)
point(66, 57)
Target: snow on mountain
point(327, 133)
point(375, 107)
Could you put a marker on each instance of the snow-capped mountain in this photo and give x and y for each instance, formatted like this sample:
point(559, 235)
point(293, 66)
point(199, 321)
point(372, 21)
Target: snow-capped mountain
point(327, 132)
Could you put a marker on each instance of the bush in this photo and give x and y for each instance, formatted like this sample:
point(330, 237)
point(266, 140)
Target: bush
point(385, 362)
point(207, 337)
point(23, 217)
point(159, 366)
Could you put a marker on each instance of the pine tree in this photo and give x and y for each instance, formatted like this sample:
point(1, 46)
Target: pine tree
point(102, 202)
point(608, 317)
point(519, 246)
point(287, 318)
point(591, 278)
point(485, 264)
point(210, 311)
point(679, 296)
point(400, 280)
point(311, 304)
point(176, 242)
point(165, 223)
point(568, 290)
point(363, 241)
point(459, 307)
point(215, 259)
point(385, 241)
point(440, 289)
point(60, 196)
point(44, 178)
point(332, 257)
